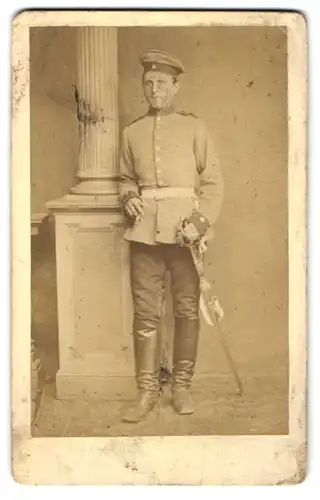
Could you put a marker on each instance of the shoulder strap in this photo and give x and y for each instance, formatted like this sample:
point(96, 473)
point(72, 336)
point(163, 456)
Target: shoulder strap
point(184, 113)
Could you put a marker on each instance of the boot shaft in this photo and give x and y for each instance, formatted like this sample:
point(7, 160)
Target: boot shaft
point(186, 338)
point(147, 362)
point(185, 351)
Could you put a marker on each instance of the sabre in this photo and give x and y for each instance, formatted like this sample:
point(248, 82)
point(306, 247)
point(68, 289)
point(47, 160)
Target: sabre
point(212, 310)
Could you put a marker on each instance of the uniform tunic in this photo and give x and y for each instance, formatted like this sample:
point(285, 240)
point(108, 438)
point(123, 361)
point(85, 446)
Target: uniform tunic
point(168, 149)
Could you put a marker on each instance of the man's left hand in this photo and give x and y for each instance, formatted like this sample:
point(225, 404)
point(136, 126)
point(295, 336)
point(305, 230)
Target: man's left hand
point(189, 234)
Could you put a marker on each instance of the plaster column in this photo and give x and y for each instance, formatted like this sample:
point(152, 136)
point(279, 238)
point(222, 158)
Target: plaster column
point(96, 95)
point(94, 299)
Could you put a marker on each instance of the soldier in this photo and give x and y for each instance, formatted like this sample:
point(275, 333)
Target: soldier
point(169, 174)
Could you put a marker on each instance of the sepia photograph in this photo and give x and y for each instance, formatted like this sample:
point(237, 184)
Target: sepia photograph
point(165, 220)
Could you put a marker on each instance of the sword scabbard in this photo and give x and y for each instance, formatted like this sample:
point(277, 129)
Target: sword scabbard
point(211, 315)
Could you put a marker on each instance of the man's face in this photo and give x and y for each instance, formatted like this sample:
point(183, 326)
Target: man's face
point(159, 89)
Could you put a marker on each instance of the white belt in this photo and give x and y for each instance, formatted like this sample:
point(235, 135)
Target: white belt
point(168, 192)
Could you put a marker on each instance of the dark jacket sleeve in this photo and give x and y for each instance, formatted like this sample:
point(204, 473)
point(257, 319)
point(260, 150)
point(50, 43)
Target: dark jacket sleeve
point(211, 187)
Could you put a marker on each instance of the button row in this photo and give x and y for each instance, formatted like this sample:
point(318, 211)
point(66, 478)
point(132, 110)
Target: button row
point(157, 148)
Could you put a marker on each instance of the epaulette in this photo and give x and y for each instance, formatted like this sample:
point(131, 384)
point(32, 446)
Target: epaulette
point(136, 120)
point(184, 113)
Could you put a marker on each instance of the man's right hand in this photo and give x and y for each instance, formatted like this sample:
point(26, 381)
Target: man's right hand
point(134, 208)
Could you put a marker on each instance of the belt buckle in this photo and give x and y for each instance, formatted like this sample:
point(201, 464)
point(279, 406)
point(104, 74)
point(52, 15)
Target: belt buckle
point(157, 195)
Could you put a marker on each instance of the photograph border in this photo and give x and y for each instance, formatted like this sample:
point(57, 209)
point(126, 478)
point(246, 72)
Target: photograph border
point(187, 460)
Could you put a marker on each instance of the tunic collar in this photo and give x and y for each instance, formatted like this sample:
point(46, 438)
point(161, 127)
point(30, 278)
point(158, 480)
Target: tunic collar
point(161, 112)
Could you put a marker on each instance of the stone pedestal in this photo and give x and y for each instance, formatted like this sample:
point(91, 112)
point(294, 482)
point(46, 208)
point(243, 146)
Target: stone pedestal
point(94, 298)
point(94, 302)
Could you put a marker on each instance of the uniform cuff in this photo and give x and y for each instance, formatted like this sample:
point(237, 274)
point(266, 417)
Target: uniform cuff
point(127, 197)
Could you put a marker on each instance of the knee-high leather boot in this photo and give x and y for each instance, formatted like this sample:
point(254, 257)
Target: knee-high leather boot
point(146, 350)
point(184, 360)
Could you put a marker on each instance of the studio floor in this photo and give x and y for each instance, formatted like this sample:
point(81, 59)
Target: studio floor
point(261, 410)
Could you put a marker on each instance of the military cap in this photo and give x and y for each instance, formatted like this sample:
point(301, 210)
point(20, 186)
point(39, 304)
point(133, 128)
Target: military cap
point(158, 60)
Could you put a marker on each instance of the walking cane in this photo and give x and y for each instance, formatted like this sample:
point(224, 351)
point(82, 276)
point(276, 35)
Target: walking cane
point(211, 309)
